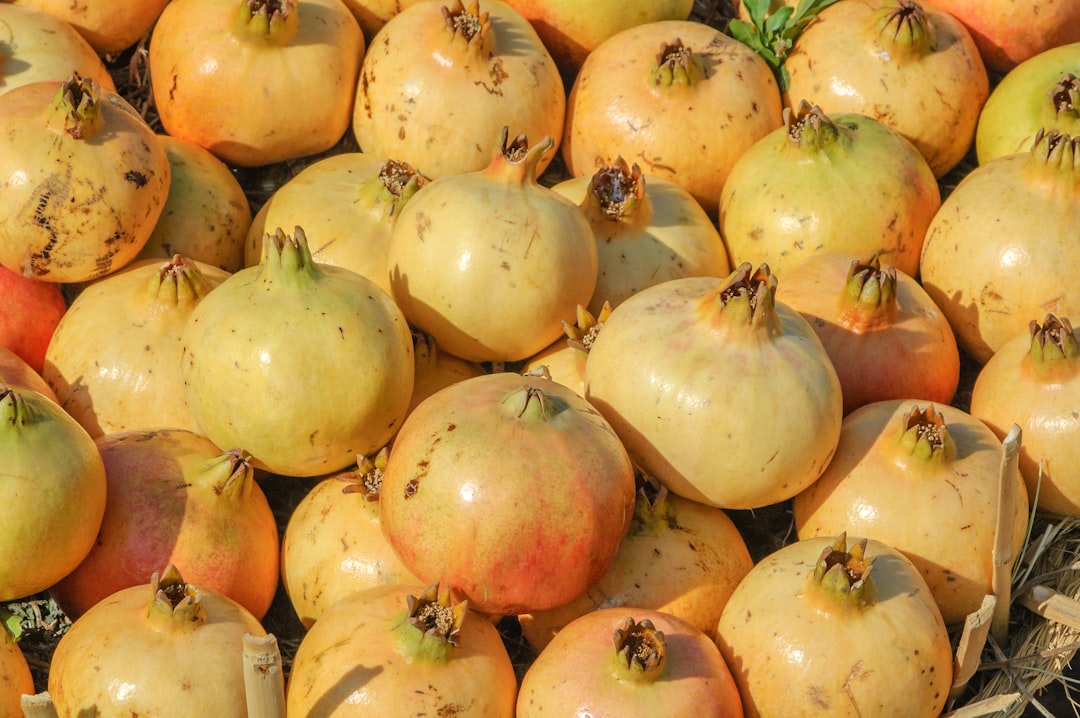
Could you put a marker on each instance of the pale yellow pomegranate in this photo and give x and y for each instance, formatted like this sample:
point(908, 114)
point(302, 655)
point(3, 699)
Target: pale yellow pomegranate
point(1001, 250)
point(717, 388)
point(83, 180)
point(679, 98)
point(898, 459)
point(401, 650)
point(911, 66)
point(468, 243)
point(38, 45)
point(334, 544)
point(165, 649)
point(347, 204)
point(840, 627)
point(441, 79)
point(114, 359)
point(206, 214)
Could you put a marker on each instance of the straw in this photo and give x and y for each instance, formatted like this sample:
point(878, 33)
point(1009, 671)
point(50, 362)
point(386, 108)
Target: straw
point(263, 679)
point(39, 705)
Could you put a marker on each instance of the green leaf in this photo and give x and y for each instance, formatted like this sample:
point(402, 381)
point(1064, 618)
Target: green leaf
point(756, 10)
point(776, 22)
point(772, 37)
point(743, 31)
point(11, 622)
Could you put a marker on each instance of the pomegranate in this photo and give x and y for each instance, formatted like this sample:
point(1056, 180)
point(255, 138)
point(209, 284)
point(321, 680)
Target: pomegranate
point(492, 238)
point(206, 214)
point(16, 373)
point(439, 80)
point(1041, 93)
point(510, 490)
point(885, 336)
point(228, 75)
point(901, 458)
point(828, 183)
point(30, 309)
point(373, 14)
point(83, 180)
point(16, 680)
point(1032, 381)
point(347, 204)
point(437, 369)
point(401, 650)
point(109, 26)
point(167, 648)
point(911, 66)
point(679, 98)
point(114, 359)
point(647, 230)
point(306, 401)
point(37, 45)
point(175, 498)
point(1008, 33)
point(564, 359)
point(334, 544)
point(686, 371)
point(52, 473)
point(829, 623)
point(571, 30)
point(656, 664)
point(1001, 250)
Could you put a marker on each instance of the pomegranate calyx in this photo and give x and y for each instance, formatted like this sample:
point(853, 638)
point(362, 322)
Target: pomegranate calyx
point(640, 650)
point(675, 64)
point(1065, 96)
point(1053, 341)
point(13, 409)
point(1057, 151)
point(175, 599)
point(747, 296)
point(437, 619)
point(581, 336)
point(844, 574)
point(869, 294)
point(904, 27)
point(274, 21)
point(652, 510)
point(809, 127)
point(77, 103)
point(616, 190)
point(178, 282)
point(534, 403)
point(231, 474)
point(924, 435)
point(393, 186)
point(469, 24)
point(514, 160)
point(287, 257)
point(367, 478)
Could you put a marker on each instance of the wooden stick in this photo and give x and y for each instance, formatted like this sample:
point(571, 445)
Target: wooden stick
point(39, 705)
point(1053, 605)
point(972, 642)
point(263, 679)
point(1003, 535)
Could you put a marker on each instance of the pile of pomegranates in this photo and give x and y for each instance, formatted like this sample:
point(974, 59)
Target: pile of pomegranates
point(507, 358)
